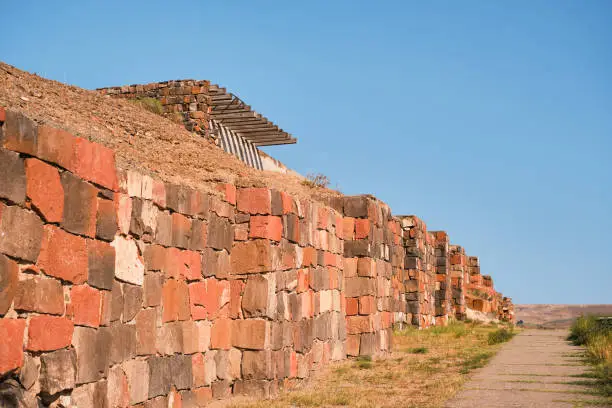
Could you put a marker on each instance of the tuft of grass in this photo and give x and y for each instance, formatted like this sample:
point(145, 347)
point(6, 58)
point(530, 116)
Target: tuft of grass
point(418, 350)
point(150, 104)
point(500, 336)
point(316, 180)
point(477, 361)
point(364, 362)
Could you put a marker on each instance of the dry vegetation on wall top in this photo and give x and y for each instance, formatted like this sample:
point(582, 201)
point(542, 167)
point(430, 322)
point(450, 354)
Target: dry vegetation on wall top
point(141, 139)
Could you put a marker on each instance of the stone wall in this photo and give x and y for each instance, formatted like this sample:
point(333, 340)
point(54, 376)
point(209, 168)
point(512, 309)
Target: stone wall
point(119, 289)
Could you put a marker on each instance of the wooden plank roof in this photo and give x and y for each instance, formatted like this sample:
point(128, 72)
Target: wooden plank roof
point(229, 110)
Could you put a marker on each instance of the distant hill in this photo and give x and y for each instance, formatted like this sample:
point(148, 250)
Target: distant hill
point(557, 316)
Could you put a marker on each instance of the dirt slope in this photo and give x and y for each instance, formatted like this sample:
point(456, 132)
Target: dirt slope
point(141, 139)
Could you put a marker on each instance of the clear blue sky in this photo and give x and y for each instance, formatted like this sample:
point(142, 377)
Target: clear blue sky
point(491, 120)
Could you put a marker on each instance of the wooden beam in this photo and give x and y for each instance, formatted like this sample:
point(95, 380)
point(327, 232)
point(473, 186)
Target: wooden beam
point(237, 115)
point(290, 141)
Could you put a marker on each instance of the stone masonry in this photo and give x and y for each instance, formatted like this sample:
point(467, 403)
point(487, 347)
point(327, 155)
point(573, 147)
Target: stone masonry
point(118, 289)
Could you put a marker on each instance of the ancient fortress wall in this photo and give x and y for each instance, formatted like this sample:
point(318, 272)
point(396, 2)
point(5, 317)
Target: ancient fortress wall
point(118, 289)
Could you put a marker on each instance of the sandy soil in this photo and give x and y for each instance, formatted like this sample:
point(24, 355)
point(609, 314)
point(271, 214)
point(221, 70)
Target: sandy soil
point(142, 140)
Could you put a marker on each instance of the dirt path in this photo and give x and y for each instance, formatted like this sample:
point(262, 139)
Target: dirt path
point(532, 370)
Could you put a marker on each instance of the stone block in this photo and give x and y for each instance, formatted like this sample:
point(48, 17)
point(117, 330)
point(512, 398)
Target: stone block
point(353, 344)
point(146, 332)
point(254, 257)
point(64, 255)
point(95, 163)
point(220, 233)
point(169, 339)
point(117, 388)
point(11, 348)
point(9, 271)
point(368, 345)
point(116, 302)
point(264, 226)
point(137, 373)
point(12, 177)
point(182, 376)
point(20, 133)
point(175, 300)
point(356, 207)
point(359, 324)
point(20, 233)
point(101, 264)
point(80, 205)
point(106, 220)
point(92, 395)
point(367, 305)
point(132, 301)
point(291, 225)
point(92, 353)
point(56, 146)
point(357, 248)
point(254, 200)
point(143, 219)
point(251, 334)
point(359, 286)
point(198, 370)
point(181, 230)
point(57, 371)
point(221, 334)
point(123, 342)
point(86, 305)
point(366, 267)
point(207, 297)
point(199, 234)
point(39, 294)
point(152, 289)
point(160, 376)
point(46, 333)
point(259, 298)
point(348, 228)
point(257, 365)
point(123, 210)
point(129, 266)
point(221, 389)
point(45, 190)
point(216, 263)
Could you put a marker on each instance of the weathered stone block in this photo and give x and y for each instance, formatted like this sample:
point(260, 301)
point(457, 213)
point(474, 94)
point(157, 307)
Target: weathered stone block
point(57, 371)
point(258, 299)
point(359, 286)
point(80, 205)
point(92, 395)
point(144, 218)
point(356, 207)
point(106, 220)
point(56, 146)
point(357, 248)
point(9, 271)
point(132, 302)
point(20, 233)
point(39, 294)
point(146, 332)
point(169, 338)
point(221, 334)
point(175, 300)
point(12, 177)
point(86, 305)
point(181, 230)
point(216, 263)
point(11, 351)
point(44, 189)
point(20, 133)
point(152, 289)
point(220, 233)
point(199, 234)
point(92, 353)
point(254, 200)
point(47, 333)
point(268, 227)
point(129, 266)
point(254, 257)
point(123, 342)
point(137, 373)
point(95, 163)
point(101, 264)
point(251, 334)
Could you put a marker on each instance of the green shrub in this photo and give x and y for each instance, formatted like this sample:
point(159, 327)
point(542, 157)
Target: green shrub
point(580, 330)
point(418, 350)
point(364, 362)
point(500, 336)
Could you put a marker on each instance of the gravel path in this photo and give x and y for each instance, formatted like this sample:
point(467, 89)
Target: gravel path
point(532, 370)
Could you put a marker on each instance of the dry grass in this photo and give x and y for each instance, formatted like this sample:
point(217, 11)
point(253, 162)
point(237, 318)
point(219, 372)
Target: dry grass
point(404, 378)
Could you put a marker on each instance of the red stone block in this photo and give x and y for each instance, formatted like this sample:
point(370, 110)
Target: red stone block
point(323, 218)
point(181, 229)
point(175, 301)
point(236, 291)
point(198, 370)
point(350, 267)
point(221, 334)
point(86, 305)
point(303, 280)
point(287, 202)
point(203, 396)
point(330, 259)
point(39, 294)
point(123, 208)
point(309, 257)
point(352, 345)
point(95, 163)
point(263, 226)
point(362, 228)
point(206, 298)
point(229, 192)
point(191, 265)
point(2, 114)
point(241, 232)
point(63, 255)
point(56, 146)
point(254, 200)
point(348, 228)
point(254, 257)
point(106, 220)
point(352, 306)
point(44, 189)
point(47, 333)
point(366, 267)
point(11, 346)
point(359, 324)
point(367, 305)
point(293, 364)
point(334, 278)
point(159, 193)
